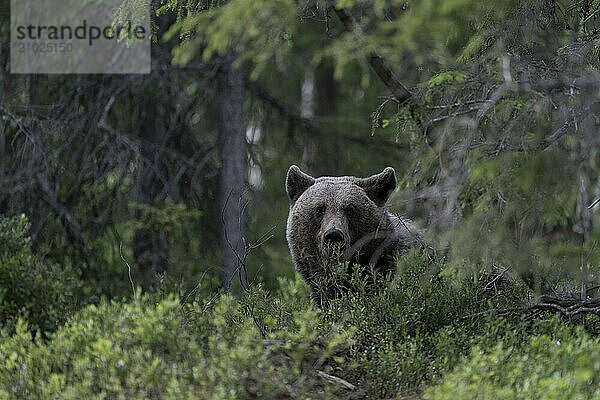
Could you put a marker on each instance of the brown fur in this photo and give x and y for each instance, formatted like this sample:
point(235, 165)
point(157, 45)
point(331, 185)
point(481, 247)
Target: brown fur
point(354, 206)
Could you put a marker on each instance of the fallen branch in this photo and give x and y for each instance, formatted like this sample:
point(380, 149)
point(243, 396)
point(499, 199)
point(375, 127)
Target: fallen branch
point(336, 380)
point(564, 306)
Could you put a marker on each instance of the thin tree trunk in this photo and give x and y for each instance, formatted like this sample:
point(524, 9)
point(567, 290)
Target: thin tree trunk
point(2, 123)
point(150, 244)
point(307, 110)
point(325, 107)
point(584, 214)
point(318, 104)
point(232, 176)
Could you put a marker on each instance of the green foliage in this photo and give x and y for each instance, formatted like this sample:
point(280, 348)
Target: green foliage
point(486, 138)
point(387, 336)
point(109, 254)
point(134, 12)
point(447, 77)
point(169, 217)
point(407, 329)
point(559, 364)
point(210, 350)
point(525, 211)
point(31, 289)
point(491, 82)
point(264, 36)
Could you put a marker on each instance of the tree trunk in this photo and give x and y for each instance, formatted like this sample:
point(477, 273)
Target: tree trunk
point(232, 176)
point(150, 244)
point(318, 104)
point(307, 110)
point(584, 224)
point(2, 123)
point(325, 109)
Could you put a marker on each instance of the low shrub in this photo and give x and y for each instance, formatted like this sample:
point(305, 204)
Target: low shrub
point(416, 326)
point(148, 350)
point(31, 289)
point(421, 332)
point(561, 363)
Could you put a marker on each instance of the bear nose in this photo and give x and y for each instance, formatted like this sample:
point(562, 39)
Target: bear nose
point(333, 236)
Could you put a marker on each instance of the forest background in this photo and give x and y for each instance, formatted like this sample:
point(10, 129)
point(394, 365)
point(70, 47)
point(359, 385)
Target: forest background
point(141, 203)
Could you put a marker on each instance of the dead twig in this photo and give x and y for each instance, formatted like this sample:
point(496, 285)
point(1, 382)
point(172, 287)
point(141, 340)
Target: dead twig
point(116, 233)
point(336, 380)
point(242, 257)
point(564, 306)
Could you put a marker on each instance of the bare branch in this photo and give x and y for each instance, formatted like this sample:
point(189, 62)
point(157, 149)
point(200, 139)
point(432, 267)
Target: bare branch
point(336, 380)
point(564, 306)
point(128, 268)
point(384, 72)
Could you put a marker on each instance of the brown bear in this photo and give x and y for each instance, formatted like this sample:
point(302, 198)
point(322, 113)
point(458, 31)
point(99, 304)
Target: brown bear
point(343, 219)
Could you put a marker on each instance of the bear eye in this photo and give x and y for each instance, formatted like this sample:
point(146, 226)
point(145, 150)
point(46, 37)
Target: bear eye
point(350, 209)
point(320, 210)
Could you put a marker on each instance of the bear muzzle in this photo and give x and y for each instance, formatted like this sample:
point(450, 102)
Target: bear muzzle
point(333, 235)
point(333, 242)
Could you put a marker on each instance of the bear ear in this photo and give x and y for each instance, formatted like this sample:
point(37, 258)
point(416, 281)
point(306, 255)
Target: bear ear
point(297, 182)
point(379, 186)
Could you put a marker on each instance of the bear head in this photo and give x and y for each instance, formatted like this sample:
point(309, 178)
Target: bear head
point(335, 211)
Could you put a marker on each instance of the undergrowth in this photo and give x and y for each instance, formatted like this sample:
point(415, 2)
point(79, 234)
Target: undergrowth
point(419, 333)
